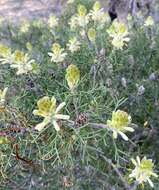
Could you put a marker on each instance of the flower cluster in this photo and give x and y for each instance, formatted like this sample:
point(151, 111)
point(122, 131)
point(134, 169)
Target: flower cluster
point(73, 45)
point(143, 170)
point(22, 63)
point(18, 60)
point(52, 21)
point(57, 55)
point(149, 21)
point(24, 27)
point(119, 124)
point(47, 109)
point(118, 32)
point(98, 15)
point(82, 17)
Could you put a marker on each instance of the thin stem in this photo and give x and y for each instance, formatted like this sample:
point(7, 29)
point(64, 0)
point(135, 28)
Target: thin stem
point(125, 184)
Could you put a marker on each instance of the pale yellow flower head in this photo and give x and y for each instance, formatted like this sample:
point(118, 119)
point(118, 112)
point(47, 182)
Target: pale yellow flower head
point(22, 62)
point(53, 21)
point(73, 22)
point(3, 96)
point(118, 32)
point(47, 108)
point(143, 170)
point(92, 34)
point(97, 6)
point(97, 13)
point(57, 55)
point(73, 45)
point(82, 18)
point(4, 140)
point(4, 51)
point(25, 25)
point(149, 21)
point(119, 42)
point(19, 56)
point(5, 54)
point(72, 76)
point(117, 28)
point(119, 124)
point(82, 11)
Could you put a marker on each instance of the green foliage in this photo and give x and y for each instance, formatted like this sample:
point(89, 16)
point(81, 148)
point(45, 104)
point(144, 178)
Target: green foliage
point(83, 154)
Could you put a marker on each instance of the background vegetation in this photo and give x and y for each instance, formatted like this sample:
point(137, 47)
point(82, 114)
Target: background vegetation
point(80, 156)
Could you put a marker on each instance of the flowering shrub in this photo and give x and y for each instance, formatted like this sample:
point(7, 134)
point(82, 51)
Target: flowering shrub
point(105, 77)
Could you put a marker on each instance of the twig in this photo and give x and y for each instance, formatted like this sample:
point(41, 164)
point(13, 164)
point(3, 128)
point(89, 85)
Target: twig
point(93, 125)
point(125, 184)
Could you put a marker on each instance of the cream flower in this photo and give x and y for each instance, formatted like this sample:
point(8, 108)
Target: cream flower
point(22, 63)
point(118, 32)
point(97, 13)
point(119, 124)
point(73, 45)
point(143, 170)
point(24, 27)
point(119, 41)
point(72, 76)
point(149, 21)
point(2, 96)
point(47, 109)
point(92, 34)
point(5, 55)
point(82, 17)
point(73, 22)
point(57, 55)
point(53, 21)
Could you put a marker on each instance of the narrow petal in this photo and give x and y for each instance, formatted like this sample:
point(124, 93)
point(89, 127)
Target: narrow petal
point(61, 116)
point(123, 136)
point(41, 125)
point(154, 174)
point(4, 92)
point(115, 135)
point(131, 175)
point(150, 182)
point(60, 107)
point(130, 129)
point(134, 161)
point(57, 127)
point(36, 112)
point(138, 159)
point(50, 54)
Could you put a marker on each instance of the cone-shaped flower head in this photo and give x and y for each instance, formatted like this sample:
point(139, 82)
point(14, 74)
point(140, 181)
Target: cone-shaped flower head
point(47, 108)
point(143, 170)
point(118, 32)
point(57, 55)
point(73, 45)
point(119, 124)
point(22, 62)
point(72, 76)
point(149, 21)
point(92, 34)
